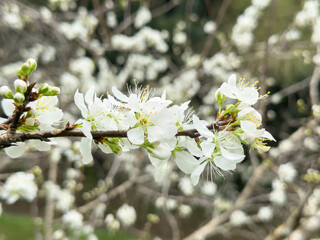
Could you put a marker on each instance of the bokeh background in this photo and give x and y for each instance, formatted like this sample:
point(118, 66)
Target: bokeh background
point(189, 48)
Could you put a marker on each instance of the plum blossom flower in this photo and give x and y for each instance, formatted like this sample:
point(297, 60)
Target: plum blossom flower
point(143, 17)
point(43, 115)
point(239, 218)
point(255, 137)
point(241, 91)
point(73, 219)
point(222, 150)
point(152, 113)
point(100, 115)
point(19, 185)
point(287, 172)
point(127, 215)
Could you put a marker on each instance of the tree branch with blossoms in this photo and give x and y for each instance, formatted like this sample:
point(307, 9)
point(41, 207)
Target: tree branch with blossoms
point(119, 123)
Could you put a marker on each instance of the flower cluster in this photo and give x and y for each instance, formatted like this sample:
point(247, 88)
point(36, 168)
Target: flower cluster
point(167, 131)
point(19, 185)
point(34, 108)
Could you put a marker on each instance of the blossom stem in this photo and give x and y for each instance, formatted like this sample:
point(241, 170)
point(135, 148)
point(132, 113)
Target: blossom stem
point(19, 110)
point(8, 139)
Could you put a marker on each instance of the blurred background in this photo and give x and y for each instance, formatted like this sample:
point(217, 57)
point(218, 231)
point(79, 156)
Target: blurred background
point(189, 48)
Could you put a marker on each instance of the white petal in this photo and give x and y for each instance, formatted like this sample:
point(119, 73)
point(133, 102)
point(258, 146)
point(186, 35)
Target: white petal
point(50, 116)
point(186, 162)
point(119, 95)
point(155, 161)
point(136, 135)
point(114, 101)
point(201, 128)
point(86, 129)
point(193, 148)
point(16, 151)
point(165, 119)
point(232, 155)
point(3, 120)
point(249, 95)
point(224, 163)
point(164, 95)
point(161, 171)
point(232, 81)
point(7, 106)
point(207, 148)
point(40, 145)
point(90, 95)
point(249, 127)
point(78, 100)
point(85, 150)
point(154, 134)
point(105, 148)
point(195, 175)
point(226, 90)
point(268, 135)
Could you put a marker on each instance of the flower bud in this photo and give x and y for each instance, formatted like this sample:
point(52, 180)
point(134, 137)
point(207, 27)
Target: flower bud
point(6, 92)
point(53, 91)
point(32, 64)
point(44, 88)
point(18, 97)
point(27, 68)
point(220, 97)
point(20, 86)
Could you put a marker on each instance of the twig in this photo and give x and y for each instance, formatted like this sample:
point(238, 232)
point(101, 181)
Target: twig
point(218, 21)
point(49, 207)
point(7, 139)
point(209, 228)
point(155, 13)
point(114, 192)
point(20, 110)
point(314, 93)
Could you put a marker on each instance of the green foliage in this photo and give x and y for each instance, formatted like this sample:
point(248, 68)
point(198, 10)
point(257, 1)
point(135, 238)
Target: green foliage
point(14, 227)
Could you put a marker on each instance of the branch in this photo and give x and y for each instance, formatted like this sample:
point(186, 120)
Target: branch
point(314, 93)
point(20, 110)
point(7, 139)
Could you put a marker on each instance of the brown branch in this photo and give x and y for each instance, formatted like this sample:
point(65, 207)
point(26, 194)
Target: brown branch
point(218, 21)
point(209, 228)
point(155, 13)
point(292, 221)
point(7, 139)
point(314, 93)
point(20, 110)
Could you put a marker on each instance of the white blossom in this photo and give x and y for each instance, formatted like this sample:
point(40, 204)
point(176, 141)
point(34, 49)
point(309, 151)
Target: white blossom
point(238, 218)
point(127, 215)
point(209, 188)
point(265, 214)
point(73, 219)
point(19, 185)
point(209, 27)
point(143, 17)
point(287, 172)
point(184, 210)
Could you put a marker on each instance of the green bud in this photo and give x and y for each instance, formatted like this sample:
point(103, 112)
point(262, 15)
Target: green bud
point(32, 64)
point(230, 108)
point(52, 91)
point(6, 92)
point(153, 218)
point(114, 147)
point(44, 88)
point(20, 86)
point(27, 68)
point(18, 97)
point(220, 97)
